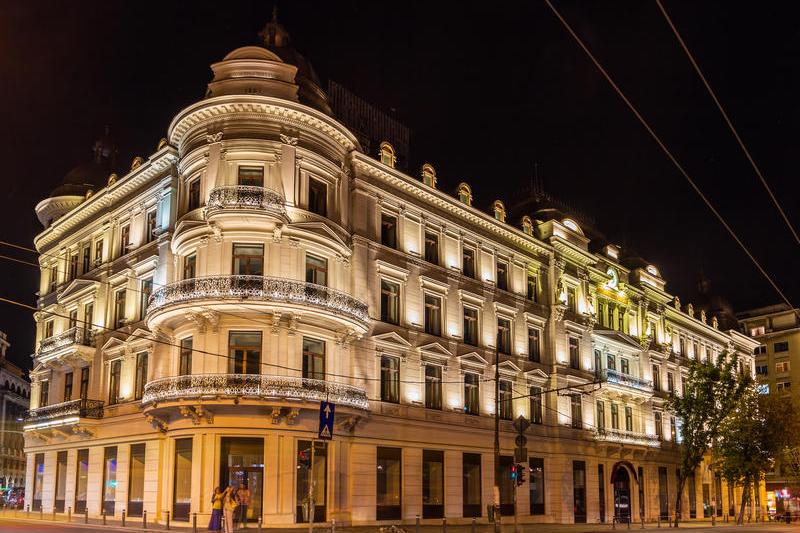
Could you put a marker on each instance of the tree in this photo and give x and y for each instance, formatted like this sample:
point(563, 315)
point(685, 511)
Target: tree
point(711, 391)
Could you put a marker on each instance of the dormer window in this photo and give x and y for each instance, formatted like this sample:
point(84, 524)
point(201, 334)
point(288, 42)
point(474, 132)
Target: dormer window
point(527, 225)
point(499, 210)
point(429, 175)
point(464, 193)
point(571, 224)
point(386, 153)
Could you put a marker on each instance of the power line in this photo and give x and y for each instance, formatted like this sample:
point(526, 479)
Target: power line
point(728, 121)
point(666, 150)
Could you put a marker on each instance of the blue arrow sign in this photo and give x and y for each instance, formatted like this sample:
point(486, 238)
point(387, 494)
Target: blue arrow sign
point(326, 412)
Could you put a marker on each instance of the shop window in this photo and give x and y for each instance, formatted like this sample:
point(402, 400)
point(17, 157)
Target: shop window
point(389, 484)
point(136, 480)
point(471, 485)
point(182, 475)
point(432, 484)
point(536, 485)
point(109, 490)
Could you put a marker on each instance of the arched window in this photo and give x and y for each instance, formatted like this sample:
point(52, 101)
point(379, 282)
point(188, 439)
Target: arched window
point(571, 224)
point(527, 225)
point(429, 175)
point(464, 193)
point(499, 210)
point(387, 154)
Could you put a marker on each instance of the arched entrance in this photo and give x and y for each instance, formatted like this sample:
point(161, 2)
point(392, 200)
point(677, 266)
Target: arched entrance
point(621, 480)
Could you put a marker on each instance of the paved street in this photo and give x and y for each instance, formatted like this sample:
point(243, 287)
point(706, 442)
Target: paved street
point(36, 526)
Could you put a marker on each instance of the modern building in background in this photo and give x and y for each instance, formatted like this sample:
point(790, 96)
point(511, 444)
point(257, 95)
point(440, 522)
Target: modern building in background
point(14, 403)
point(777, 362)
point(197, 308)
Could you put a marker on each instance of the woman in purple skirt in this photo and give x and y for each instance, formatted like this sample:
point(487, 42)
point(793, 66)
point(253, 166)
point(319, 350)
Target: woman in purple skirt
point(215, 524)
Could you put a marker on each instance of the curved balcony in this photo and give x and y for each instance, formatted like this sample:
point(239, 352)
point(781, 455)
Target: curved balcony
point(279, 294)
point(63, 414)
point(619, 436)
point(245, 198)
point(626, 385)
point(74, 340)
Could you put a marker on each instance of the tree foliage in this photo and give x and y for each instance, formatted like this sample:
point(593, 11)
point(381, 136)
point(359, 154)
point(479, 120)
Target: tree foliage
point(710, 393)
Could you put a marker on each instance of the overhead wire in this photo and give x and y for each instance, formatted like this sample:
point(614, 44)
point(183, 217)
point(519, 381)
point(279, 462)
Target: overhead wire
point(728, 121)
point(668, 153)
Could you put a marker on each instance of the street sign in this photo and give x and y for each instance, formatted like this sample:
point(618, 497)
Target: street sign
point(521, 440)
point(326, 412)
point(521, 424)
point(521, 454)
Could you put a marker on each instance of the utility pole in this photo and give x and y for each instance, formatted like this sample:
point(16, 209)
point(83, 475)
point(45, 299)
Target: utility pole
point(496, 435)
point(311, 490)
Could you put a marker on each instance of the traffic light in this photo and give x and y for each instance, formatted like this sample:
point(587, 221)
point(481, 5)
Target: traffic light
point(520, 474)
point(514, 472)
point(304, 459)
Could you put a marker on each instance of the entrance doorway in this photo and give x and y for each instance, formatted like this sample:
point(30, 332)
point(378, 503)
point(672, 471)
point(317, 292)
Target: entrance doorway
point(622, 494)
point(242, 465)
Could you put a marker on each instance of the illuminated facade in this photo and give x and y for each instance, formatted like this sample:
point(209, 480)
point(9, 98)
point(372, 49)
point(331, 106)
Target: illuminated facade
point(14, 394)
point(201, 305)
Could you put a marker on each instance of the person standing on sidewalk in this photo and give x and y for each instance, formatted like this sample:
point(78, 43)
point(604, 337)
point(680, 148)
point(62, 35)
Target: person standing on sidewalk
point(243, 495)
point(228, 509)
point(215, 524)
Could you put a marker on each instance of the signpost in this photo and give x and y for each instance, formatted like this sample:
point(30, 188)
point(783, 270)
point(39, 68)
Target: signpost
point(326, 413)
point(327, 410)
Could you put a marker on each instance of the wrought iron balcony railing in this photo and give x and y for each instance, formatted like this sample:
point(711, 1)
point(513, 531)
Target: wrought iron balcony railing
point(618, 378)
point(255, 386)
point(75, 408)
point(74, 335)
point(246, 197)
point(262, 288)
point(626, 437)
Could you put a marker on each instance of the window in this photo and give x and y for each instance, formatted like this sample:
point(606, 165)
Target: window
point(88, 317)
point(194, 194)
point(628, 418)
point(506, 400)
point(663, 493)
point(87, 259)
point(248, 259)
point(150, 226)
point(251, 176)
point(81, 480)
point(109, 490)
point(471, 393)
point(73, 265)
point(783, 386)
point(624, 366)
point(503, 335)
point(147, 290)
point(696, 349)
point(316, 476)
point(182, 492)
point(388, 230)
point(433, 387)
point(656, 378)
point(244, 349)
point(576, 411)
point(390, 302)
point(571, 300)
point(115, 371)
point(574, 353)
point(673, 429)
point(431, 248)
point(532, 290)
point(68, 386)
point(433, 315)
point(428, 175)
point(601, 414)
point(389, 483)
point(470, 326)
point(98, 252)
point(502, 276)
point(185, 357)
point(536, 481)
point(119, 308)
point(762, 370)
point(313, 359)
point(659, 425)
point(471, 485)
point(670, 382)
point(760, 350)
point(464, 194)
point(141, 375)
point(390, 379)
point(611, 362)
point(432, 484)
point(53, 278)
point(189, 266)
point(601, 483)
point(316, 270)
point(682, 345)
point(534, 345)
point(73, 318)
point(536, 405)
point(691, 481)
point(44, 393)
point(641, 486)
point(614, 416)
point(468, 262)
point(84, 392)
point(579, 491)
point(781, 367)
point(317, 197)
point(136, 480)
point(124, 239)
point(38, 481)
point(780, 347)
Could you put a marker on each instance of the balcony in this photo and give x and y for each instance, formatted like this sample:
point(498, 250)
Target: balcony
point(245, 198)
point(619, 436)
point(75, 340)
point(63, 414)
point(627, 383)
point(278, 295)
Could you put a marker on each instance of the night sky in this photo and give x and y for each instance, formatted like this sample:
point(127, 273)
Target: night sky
point(488, 90)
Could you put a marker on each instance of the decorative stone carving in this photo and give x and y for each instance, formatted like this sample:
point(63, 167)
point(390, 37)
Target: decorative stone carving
point(137, 162)
point(286, 139)
point(214, 137)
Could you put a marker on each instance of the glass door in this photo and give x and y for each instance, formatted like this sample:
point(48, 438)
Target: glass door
point(242, 465)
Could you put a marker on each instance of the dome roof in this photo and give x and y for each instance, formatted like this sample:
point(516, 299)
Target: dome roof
point(93, 174)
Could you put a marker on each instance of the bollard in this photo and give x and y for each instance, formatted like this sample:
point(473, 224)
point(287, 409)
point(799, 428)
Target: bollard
point(629, 523)
point(27, 511)
point(333, 525)
point(473, 525)
point(144, 519)
point(167, 524)
point(41, 512)
point(69, 514)
point(259, 524)
point(614, 523)
point(194, 522)
point(416, 528)
point(642, 522)
point(54, 514)
point(86, 516)
point(124, 512)
point(444, 525)
point(104, 517)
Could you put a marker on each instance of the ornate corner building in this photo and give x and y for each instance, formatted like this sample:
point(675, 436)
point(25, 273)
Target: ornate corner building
point(196, 310)
point(14, 403)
